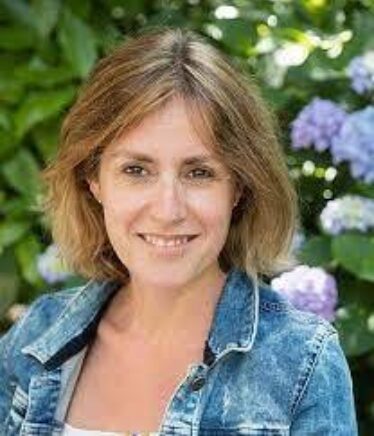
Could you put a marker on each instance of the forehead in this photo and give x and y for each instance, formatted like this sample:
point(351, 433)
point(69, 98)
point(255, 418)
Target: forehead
point(168, 133)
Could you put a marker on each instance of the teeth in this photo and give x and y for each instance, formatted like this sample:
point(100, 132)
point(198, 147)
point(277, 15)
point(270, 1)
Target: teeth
point(162, 242)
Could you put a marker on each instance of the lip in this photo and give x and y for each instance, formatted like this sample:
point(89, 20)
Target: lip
point(176, 250)
point(189, 236)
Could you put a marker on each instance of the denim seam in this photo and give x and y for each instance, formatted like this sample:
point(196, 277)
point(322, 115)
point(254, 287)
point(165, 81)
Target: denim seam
point(319, 343)
point(18, 330)
point(64, 313)
point(276, 307)
point(18, 404)
point(11, 345)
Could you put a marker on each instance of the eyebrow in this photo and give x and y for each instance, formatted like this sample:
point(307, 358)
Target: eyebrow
point(141, 157)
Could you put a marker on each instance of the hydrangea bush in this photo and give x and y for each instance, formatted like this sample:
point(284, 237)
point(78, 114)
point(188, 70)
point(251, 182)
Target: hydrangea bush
point(314, 63)
point(317, 125)
point(355, 144)
point(361, 72)
point(350, 212)
point(309, 289)
point(344, 245)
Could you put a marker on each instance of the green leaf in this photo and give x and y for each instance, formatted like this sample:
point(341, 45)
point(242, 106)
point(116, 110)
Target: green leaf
point(7, 139)
point(5, 121)
point(10, 92)
point(16, 38)
point(365, 189)
point(22, 173)
point(128, 7)
point(355, 253)
point(316, 251)
point(78, 43)
point(9, 281)
point(354, 290)
point(39, 107)
point(7, 143)
point(9, 61)
point(81, 9)
point(355, 324)
point(10, 88)
point(107, 33)
point(11, 232)
point(46, 137)
point(27, 251)
point(46, 15)
point(15, 208)
point(237, 35)
point(43, 76)
point(363, 28)
point(20, 12)
point(292, 34)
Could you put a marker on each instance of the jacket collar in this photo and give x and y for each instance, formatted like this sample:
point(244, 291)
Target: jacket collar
point(234, 324)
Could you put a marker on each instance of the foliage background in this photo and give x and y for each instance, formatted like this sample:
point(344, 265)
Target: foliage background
point(296, 49)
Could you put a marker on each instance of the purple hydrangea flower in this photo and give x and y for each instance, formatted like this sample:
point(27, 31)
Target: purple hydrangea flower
point(51, 266)
point(310, 289)
point(351, 212)
point(355, 144)
point(361, 72)
point(317, 124)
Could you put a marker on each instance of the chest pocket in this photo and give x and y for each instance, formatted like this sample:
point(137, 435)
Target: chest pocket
point(17, 411)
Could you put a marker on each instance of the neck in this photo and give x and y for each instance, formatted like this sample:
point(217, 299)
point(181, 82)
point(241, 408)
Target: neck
point(157, 315)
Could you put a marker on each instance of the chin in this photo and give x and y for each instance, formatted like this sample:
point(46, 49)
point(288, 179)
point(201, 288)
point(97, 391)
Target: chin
point(178, 275)
point(173, 277)
point(168, 276)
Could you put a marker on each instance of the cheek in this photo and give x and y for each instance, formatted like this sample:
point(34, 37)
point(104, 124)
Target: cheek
point(118, 215)
point(214, 212)
point(120, 203)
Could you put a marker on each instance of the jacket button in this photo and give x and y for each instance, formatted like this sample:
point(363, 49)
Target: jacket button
point(197, 383)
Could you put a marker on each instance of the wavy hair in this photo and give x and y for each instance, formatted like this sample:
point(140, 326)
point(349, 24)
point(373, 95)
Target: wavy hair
point(137, 78)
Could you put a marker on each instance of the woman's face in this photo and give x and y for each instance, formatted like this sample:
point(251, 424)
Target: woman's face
point(167, 200)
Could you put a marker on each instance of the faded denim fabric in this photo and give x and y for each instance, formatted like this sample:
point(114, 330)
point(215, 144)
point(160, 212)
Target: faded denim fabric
point(268, 368)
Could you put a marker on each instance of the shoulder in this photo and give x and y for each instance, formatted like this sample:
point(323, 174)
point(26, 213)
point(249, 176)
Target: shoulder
point(306, 345)
point(15, 370)
point(38, 317)
point(276, 313)
point(43, 310)
point(296, 337)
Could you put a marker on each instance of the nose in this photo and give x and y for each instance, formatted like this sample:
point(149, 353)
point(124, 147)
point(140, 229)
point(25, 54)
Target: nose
point(169, 202)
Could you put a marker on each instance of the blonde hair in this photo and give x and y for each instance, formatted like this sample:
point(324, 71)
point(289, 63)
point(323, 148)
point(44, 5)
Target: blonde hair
point(139, 77)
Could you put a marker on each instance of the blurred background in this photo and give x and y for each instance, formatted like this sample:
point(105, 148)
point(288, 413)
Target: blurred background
point(314, 62)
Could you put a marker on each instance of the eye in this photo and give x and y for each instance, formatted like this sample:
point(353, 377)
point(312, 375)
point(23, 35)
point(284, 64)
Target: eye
point(134, 170)
point(202, 173)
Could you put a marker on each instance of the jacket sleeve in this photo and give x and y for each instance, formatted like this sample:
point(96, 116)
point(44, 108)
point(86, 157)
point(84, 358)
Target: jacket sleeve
point(326, 406)
point(5, 382)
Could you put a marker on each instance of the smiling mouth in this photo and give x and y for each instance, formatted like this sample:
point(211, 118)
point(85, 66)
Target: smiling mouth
point(167, 241)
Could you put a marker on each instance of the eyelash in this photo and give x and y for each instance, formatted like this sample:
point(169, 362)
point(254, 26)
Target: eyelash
point(137, 174)
point(132, 173)
point(209, 174)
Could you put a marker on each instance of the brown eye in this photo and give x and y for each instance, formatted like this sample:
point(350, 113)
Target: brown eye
point(134, 170)
point(202, 173)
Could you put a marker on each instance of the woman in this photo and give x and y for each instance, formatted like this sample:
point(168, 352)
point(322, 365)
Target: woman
point(171, 193)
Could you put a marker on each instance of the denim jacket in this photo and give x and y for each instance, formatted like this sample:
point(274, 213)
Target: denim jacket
point(268, 369)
